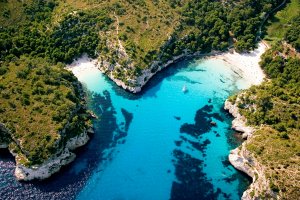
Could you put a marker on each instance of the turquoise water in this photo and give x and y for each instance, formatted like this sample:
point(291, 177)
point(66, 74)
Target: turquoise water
point(156, 145)
point(160, 144)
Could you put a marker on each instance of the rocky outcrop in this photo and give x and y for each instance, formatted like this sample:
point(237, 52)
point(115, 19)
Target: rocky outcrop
point(243, 160)
point(78, 141)
point(53, 164)
point(239, 122)
point(63, 156)
point(45, 170)
point(137, 83)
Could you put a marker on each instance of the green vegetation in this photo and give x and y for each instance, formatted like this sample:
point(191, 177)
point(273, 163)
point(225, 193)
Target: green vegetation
point(76, 34)
point(37, 38)
point(159, 30)
point(37, 101)
point(276, 102)
point(280, 22)
point(293, 32)
point(40, 102)
point(130, 33)
point(274, 106)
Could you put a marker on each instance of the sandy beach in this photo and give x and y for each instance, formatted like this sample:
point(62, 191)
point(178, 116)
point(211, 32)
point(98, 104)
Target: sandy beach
point(82, 65)
point(246, 64)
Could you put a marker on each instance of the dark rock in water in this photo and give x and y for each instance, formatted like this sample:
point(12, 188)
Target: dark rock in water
point(202, 122)
point(177, 118)
point(169, 171)
point(200, 146)
point(226, 162)
point(230, 179)
point(213, 123)
point(209, 100)
point(192, 181)
point(218, 135)
point(178, 143)
point(128, 118)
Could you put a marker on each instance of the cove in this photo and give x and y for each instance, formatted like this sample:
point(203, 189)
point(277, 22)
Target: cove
point(155, 145)
point(161, 143)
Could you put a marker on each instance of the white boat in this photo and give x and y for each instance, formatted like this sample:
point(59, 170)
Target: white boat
point(184, 89)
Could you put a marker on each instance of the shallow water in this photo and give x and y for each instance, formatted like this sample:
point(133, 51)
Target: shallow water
point(155, 145)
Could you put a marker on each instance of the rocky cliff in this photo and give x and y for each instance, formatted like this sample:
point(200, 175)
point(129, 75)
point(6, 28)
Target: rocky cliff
point(244, 160)
point(53, 164)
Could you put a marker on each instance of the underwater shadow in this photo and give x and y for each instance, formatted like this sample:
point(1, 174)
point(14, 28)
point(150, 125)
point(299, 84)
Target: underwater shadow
point(68, 182)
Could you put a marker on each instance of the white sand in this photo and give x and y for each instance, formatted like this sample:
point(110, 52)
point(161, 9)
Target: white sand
point(246, 64)
point(82, 65)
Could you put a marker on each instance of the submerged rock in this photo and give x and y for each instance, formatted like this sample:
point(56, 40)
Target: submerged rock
point(213, 123)
point(177, 118)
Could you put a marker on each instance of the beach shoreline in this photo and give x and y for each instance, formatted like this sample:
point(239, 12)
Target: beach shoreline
point(244, 64)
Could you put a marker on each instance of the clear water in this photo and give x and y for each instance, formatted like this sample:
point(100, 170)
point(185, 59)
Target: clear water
point(155, 160)
point(155, 145)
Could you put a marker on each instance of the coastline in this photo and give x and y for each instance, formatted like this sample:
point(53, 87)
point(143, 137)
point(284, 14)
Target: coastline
point(240, 157)
point(243, 160)
point(53, 164)
point(246, 65)
point(63, 154)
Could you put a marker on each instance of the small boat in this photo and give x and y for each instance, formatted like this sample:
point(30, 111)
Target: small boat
point(184, 89)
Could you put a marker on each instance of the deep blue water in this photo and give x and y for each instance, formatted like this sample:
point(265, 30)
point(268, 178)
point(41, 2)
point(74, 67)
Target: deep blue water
point(155, 145)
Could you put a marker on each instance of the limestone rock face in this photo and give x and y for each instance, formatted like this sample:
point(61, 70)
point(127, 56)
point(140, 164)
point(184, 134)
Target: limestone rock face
point(78, 141)
point(54, 164)
point(244, 161)
point(237, 159)
point(138, 82)
point(46, 169)
point(239, 122)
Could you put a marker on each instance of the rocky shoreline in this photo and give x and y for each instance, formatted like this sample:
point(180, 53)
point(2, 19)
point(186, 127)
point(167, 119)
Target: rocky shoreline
point(248, 69)
point(147, 74)
point(53, 164)
point(243, 160)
